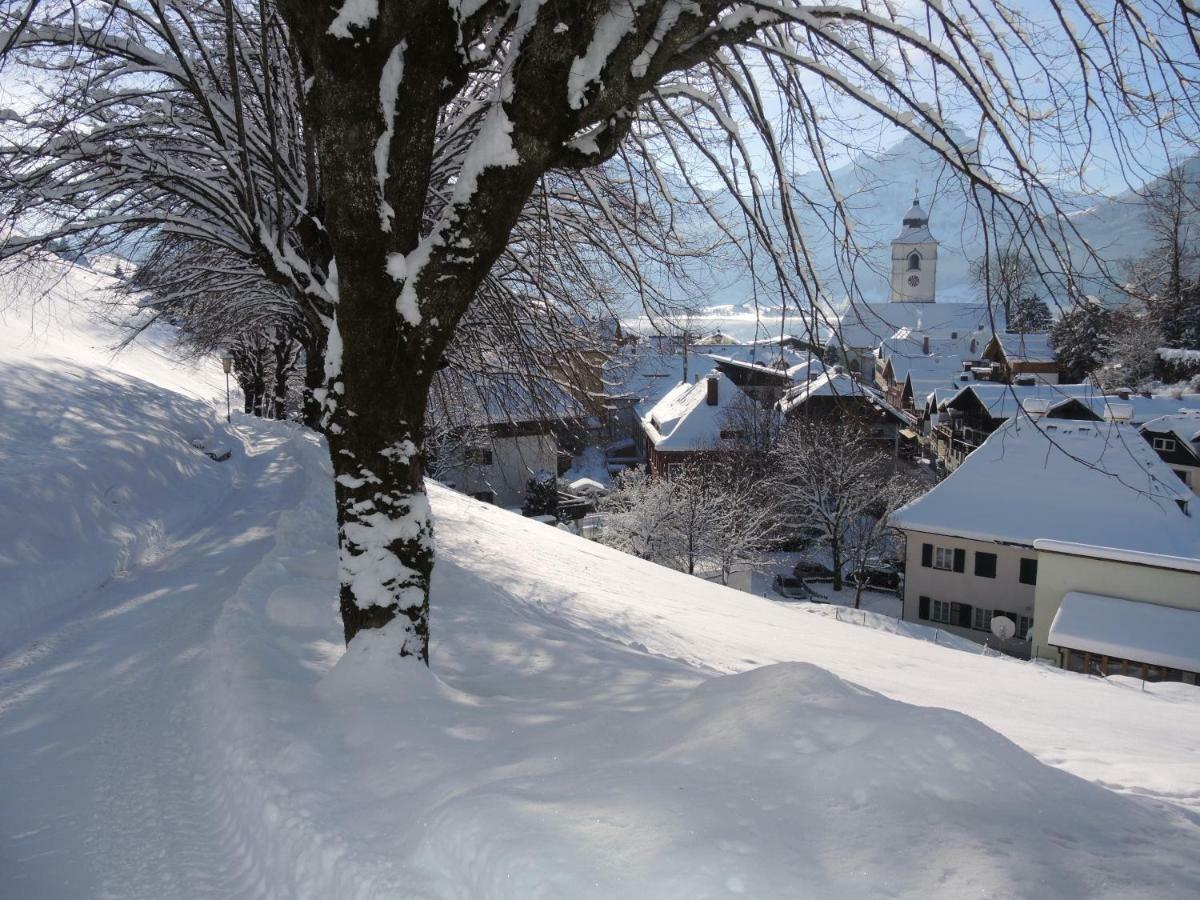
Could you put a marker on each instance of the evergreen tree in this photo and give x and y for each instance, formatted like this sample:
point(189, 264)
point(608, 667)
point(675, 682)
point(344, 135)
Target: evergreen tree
point(1030, 315)
point(1082, 340)
point(541, 495)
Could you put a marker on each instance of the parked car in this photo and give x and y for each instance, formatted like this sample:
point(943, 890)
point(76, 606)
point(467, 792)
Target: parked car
point(879, 574)
point(809, 569)
point(791, 587)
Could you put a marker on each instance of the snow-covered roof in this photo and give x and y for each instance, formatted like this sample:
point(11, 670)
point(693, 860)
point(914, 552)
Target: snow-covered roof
point(865, 325)
point(834, 383)
point(1032, 348)
point(683, 420)
point(1185, 425)
point(471, 399)
point(1002, 400)
point(1137, 557)
point(1128, 629)
point(1086, 482)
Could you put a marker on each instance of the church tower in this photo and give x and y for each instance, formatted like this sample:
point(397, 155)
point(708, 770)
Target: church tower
point(914, 259)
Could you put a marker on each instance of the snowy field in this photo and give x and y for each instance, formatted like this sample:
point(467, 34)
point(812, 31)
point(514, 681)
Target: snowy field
point(178, 718)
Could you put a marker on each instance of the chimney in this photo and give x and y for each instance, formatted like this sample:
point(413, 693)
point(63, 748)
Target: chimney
point(925, 345)
point(712, 391)
point(1035, 407)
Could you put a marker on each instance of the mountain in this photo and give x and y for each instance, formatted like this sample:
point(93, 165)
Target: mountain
point(878, 189)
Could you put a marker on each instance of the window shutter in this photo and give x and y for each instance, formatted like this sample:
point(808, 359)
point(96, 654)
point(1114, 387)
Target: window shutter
point(923, 611)
point(964, 615)
point(985, 565)
point(927, 557)
point(960, 560)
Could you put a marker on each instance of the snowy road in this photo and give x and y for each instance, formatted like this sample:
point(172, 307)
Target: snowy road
point(104, 789)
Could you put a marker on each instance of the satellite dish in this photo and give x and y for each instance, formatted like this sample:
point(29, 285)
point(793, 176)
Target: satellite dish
point(1003, 627)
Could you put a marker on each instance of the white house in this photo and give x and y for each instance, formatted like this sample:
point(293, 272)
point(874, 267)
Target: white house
point(1111, 611)
point(971, 550)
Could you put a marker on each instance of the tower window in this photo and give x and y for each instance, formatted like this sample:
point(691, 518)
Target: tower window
point(914, 262)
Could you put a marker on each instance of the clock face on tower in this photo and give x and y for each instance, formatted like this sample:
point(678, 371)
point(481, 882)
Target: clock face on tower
point(913, 280)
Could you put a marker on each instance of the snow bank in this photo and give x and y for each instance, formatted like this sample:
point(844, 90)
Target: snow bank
point(561, 748)
point(99, 469)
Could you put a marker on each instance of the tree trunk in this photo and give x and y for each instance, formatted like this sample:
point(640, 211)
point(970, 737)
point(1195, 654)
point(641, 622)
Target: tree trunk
point(314, 340)
point(835, 549)
point(858, 590)
point(375, 413)
point(284, 363)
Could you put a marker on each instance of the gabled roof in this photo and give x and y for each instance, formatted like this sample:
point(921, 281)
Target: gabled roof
point(1086, 482)
point(1031, 348)
point(1185, 425)
point(1002, 400)
point(683, 420)
point(832, 383)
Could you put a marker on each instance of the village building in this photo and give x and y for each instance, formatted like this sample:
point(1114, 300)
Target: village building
point(695, 420)
point(1176, 438)
point(837, 395)
point(955, 422)
point(1021, 358)
point(1109, 611)
point(488, 436)
point(970, 541)
point(911, 307)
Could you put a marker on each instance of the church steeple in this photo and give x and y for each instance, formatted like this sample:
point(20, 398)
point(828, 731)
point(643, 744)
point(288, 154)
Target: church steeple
point(914, 257)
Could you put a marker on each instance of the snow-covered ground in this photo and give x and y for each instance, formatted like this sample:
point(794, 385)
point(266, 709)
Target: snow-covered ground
point(187, 725)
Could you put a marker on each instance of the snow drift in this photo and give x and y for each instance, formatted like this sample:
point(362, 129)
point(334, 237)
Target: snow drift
point(550, 753)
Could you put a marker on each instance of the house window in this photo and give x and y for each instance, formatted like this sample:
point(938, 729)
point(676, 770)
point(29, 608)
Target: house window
point(1028, 571)
point(478, 456)
point(941, 611)
point(985, 565)
point(914, 262)
point(946, 558)
point(983, 619)
point(1182, 473)
point(1166, 445)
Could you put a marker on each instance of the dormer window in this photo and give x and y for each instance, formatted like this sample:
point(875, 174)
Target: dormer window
point(914, 262)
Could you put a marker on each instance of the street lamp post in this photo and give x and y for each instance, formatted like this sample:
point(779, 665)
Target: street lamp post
point(227, 365)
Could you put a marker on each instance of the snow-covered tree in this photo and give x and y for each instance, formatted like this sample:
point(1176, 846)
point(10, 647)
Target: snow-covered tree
point(1005, 277)
point(744, 519)
point(639, 516)
point(438, 124)
point(1082, 340)
point(1166, 280)
point(829, 476)
point(1030, 315)
point(1132, 349)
